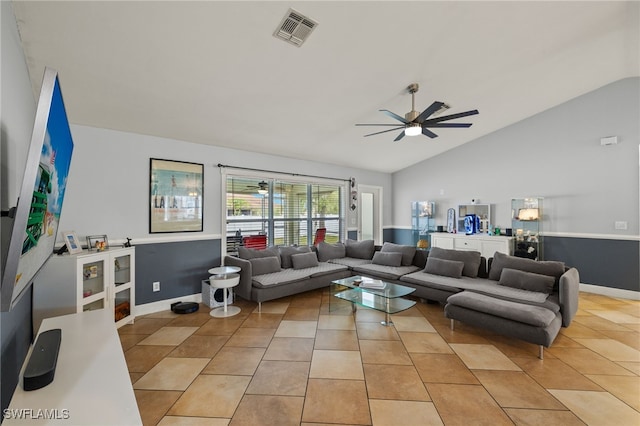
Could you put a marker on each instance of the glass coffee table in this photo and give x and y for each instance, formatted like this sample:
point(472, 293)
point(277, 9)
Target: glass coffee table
point(388, 299)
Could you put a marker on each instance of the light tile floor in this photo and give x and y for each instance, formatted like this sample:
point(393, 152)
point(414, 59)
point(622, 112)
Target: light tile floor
point(297, 363)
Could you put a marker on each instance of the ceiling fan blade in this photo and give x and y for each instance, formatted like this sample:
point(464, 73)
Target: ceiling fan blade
point(377, 124)
point(427, 112)
point(400, 136)
point(429, 133)
point(385, 131)
point(394, 115)
point(452, 116)
point(448, 125)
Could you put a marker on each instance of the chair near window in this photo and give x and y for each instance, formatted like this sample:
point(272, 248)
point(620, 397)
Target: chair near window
point(319, 237)
point(255, 241)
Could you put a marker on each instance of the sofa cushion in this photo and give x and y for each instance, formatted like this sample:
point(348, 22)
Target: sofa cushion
point(528, 314)
point(484, 286)
point(407, 252)
point(360, 249)
point(384, 272)
point(328, 251)
point(471, 259)
point(286, 252)
point(388, 259)
point(251, 253)
point(526, 280)
point(325, 268)
point(544, 267)
point(304, 260)
point(265, 265)
point(350, 261)
point(447, 268)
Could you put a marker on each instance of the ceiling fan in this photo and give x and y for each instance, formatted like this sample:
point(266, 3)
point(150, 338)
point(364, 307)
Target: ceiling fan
point(415, 123)
point(263, 187)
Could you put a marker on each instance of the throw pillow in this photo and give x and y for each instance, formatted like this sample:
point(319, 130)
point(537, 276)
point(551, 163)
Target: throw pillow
point(444, 267)
point(526, 280)
point(286, 252)
point(387, 259)
point(328, 251)
point(545, 267)
point(407, 252)
point(265, 265)
point(304, 260)
point(250, 253)
point(471, 259)
point(360, 249)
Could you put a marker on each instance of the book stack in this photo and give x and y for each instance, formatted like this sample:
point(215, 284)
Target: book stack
point(372, 283)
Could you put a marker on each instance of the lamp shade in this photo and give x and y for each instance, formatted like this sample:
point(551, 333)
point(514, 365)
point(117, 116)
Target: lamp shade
point(528, 214)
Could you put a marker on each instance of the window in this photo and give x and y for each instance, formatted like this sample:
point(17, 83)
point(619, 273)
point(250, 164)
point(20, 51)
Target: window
point(286, 211)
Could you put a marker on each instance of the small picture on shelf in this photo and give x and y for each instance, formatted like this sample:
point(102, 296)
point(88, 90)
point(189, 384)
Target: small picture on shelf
point(97, 242)
point(72, 242)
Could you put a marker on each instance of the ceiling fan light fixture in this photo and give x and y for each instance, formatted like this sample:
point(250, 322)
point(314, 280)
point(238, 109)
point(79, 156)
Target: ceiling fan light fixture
point(262, 191)
point(413, 129)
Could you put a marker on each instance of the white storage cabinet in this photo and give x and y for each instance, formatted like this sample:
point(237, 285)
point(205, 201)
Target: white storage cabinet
point(487, 245)
point(84, 282)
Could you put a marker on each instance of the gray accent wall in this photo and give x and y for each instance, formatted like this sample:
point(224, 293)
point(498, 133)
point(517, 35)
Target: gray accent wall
point(180, 268)
point(603, 262)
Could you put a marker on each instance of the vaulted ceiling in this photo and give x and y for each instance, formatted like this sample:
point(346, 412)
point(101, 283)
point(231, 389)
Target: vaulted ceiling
point(211, 72)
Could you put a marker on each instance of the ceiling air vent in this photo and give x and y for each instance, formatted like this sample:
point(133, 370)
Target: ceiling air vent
point(295, 28)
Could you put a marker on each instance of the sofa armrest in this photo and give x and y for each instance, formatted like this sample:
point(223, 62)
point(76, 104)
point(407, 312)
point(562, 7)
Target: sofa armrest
point(243, 289)
point(569, 289)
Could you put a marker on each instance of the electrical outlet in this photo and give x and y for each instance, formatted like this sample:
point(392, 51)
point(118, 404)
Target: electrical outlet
point(156, 286)
point(620, 225)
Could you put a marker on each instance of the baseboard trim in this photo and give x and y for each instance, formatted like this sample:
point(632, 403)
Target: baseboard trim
point(609, 291)
point(165, 305)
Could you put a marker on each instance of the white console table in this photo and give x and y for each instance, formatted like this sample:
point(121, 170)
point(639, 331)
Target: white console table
point(91, 384)
point(486, 244)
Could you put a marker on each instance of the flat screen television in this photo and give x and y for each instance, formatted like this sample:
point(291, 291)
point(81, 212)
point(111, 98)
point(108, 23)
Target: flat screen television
point(37, 213)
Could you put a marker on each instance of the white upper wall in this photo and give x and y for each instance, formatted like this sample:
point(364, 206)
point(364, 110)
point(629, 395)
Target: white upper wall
point(556, 155)
point(108, 188)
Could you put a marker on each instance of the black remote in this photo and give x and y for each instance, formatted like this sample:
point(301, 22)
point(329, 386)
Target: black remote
point(41, 367)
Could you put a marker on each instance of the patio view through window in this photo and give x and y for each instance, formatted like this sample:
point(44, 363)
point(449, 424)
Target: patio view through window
point(287, 213)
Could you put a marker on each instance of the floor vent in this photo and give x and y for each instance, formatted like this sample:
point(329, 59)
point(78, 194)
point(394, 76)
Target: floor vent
point(295, 28)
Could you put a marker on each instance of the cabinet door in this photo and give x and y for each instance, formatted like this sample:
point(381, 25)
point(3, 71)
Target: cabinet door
point(489, 248)
point(93, 291)
point(123, 298)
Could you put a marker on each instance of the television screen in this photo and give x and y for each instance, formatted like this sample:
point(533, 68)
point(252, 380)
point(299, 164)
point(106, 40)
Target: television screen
point(37, 214)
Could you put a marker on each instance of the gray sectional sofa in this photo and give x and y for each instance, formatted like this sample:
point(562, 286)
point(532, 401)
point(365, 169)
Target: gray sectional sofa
point(521, 298)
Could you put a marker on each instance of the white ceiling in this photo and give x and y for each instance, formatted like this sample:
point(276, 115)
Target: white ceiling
point(211, 72)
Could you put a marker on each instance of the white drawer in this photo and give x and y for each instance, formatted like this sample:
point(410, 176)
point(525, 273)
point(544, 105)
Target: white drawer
point(442, 242)
point(464, 244)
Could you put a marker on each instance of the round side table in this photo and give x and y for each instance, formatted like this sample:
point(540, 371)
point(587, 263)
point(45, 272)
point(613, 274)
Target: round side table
point(224, 277)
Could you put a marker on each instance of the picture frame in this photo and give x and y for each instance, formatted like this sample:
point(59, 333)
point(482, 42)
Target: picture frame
point(97, 242)
point(176, 196)
point(72, 242)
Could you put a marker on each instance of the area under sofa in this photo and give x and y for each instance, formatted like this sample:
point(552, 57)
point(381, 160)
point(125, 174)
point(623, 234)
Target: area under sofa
point(531, 302)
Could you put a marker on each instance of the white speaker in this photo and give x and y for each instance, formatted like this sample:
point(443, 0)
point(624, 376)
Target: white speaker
point(610, 140)
point(214, 297)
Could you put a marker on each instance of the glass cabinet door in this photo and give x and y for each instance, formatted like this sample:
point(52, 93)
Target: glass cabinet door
point(122, 270)
point(122, 304)
point(93, 279)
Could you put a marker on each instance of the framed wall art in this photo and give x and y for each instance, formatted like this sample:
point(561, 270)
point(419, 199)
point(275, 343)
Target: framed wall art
point(176, 196)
